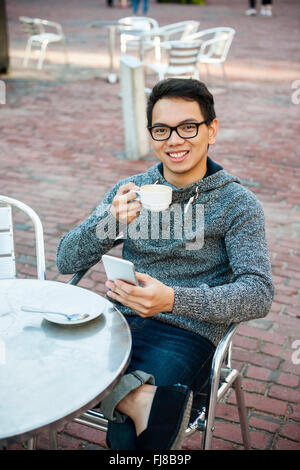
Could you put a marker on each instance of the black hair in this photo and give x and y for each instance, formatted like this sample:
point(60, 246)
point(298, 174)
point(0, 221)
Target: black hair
point(186, 88)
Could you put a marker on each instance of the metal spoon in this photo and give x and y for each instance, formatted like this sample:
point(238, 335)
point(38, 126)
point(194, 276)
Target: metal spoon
point(71, 317)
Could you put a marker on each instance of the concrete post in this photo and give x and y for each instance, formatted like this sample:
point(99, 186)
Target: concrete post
point(134, 108)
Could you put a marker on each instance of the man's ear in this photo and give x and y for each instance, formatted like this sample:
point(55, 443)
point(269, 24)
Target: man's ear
point(213, 131)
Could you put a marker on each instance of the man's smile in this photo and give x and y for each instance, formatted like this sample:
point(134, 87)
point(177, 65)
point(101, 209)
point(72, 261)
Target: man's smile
point(178, 156)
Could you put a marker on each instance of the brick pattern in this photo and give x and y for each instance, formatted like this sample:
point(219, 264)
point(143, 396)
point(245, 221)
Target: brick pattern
point(61, 139)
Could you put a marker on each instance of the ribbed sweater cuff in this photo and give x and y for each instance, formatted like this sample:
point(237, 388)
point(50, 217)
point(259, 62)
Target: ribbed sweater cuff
point(184, 301)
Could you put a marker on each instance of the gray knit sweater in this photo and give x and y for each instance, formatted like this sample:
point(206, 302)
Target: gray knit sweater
point(215, 255)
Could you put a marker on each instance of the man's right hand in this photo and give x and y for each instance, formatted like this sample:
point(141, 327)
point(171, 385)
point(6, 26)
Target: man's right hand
point(125, 208)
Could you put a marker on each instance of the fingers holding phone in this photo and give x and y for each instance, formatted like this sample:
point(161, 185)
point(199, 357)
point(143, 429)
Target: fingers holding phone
point(142, 293)
point(125, 208)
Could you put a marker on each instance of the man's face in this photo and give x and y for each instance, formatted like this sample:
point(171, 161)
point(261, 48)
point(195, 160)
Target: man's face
point(184, 160)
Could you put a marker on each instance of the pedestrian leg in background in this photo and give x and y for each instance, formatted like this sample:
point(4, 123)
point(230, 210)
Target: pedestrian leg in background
point(135, 6)
point(252, 8)
point(145, 8)
point(266, 9)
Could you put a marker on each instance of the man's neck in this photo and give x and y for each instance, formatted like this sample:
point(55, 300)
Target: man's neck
point(182, 180)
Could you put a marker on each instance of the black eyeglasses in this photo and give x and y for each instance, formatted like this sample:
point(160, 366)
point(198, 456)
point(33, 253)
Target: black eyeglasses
point(188, 130)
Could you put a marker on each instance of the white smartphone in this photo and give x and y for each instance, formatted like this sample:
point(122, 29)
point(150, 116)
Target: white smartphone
point(117, 268)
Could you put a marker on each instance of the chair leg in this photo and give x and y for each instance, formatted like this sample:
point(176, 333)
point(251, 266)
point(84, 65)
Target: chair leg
point(237, 385)
point(157, 50)
point(31, 445)
point(66, 53)
point(225, 76)
point(123, 44)
point(42, 55)
point(208, 74)
point(27, 53)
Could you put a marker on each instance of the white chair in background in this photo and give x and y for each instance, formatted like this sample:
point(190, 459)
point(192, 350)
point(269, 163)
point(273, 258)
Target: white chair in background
point(160, 37)
point(216, 43)
point(40, 33)
point(182, 61)
point(131, 28)
point(7, 250)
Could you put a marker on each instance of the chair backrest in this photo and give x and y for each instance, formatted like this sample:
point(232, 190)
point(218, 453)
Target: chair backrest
point(33, 26)
point(7, 252)
point(138, 23)
point(216, 42)
point(179, 30)
point(183, 53)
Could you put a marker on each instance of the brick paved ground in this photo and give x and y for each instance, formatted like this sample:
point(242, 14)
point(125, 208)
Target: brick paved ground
point(61, 136)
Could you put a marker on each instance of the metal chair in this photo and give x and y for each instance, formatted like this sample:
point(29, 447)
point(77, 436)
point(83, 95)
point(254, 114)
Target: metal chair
point(37, 30)
point(159, 37)
point(131, 28)
point(7, 251)
point(204, 405)
point(222, 378)
point(182, 60)
point(216, 43)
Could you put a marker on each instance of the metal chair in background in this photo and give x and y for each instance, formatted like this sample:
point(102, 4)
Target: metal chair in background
point(216, 43)
point(7, 250)
point(131, 28)
point(40, 33)
point(159, 37)
point(182, 61)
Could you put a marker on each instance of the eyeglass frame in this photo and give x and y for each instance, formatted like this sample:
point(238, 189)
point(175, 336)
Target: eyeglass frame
point(175, 128)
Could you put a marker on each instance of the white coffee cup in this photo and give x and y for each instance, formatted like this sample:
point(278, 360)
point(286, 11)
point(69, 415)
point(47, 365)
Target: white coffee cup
point(155, 197)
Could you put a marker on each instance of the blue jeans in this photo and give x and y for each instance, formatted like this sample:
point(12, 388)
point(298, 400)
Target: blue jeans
point(135, 6)
point(171, 355)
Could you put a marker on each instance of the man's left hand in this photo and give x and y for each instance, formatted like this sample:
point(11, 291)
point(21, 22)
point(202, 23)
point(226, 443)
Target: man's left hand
point(147, 300)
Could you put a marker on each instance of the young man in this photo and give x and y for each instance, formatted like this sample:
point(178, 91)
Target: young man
point(202, 265)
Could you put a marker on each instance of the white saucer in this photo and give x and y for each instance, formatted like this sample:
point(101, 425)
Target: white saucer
point(60, 320)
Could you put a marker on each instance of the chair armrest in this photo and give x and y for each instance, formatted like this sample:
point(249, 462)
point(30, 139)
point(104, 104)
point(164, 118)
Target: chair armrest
point(80, 274)
point(223, 346)
point(53, 24)
point(77, 277)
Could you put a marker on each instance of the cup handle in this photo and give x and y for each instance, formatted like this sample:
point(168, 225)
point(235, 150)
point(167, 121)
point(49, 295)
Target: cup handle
point(138, 193)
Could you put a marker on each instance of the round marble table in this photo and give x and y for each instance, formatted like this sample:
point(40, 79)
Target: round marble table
point(50, 373)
